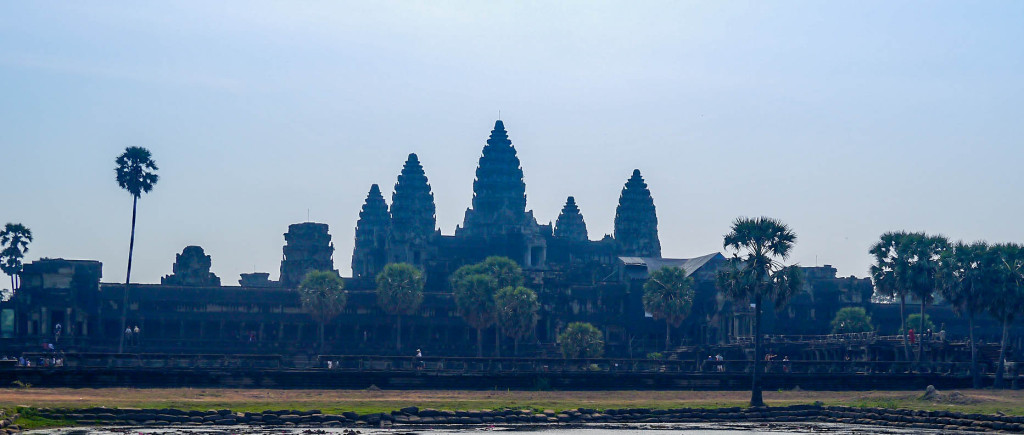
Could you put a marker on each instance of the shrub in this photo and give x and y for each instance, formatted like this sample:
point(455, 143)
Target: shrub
point(581, 340)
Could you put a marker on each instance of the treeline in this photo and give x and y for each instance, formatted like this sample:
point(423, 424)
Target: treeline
point(974, 278)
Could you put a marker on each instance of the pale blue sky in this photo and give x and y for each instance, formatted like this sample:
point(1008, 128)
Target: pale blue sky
point(844, 119)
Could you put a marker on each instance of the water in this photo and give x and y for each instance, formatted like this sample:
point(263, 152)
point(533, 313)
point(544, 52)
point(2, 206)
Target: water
point(645, 429)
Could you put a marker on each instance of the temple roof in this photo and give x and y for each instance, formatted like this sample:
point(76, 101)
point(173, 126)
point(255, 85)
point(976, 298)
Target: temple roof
point(689, 265)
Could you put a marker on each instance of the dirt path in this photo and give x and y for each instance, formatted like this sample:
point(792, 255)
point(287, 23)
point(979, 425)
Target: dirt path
point(984, 401)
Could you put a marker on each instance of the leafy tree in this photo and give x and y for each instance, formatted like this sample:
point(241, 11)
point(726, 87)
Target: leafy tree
point(668, 294)
point(474, 300)
point(927, 251)
point(581, 340)
point(516, 308)
point(850, 320)
point(758, 274)
point(907, 264)
point(323, 295)
point(504, 270)
point(1007, 299)
point(888, 273)
point(966, 273)
point(135, 173)
point(399, 292)
point(463, 272)
point(914, 322)
point(14, 240)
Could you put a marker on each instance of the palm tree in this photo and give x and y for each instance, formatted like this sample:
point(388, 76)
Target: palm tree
point(505, 272)
point(323, 295)
point(581, 340)
point(400, 292)
point(136, 173)
point(966, 275)
point(907, 264)
point(758, 274)
point(928, 251)
point(14, 240)
point(1007, 300)
point(668, 294)
point(474, 300)
point(888, 273)
point(516, 309)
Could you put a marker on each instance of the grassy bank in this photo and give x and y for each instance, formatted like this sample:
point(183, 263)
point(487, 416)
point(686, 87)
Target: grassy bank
point(365, 401)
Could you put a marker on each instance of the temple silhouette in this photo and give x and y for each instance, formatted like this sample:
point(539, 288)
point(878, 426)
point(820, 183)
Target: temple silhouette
point(576, 279)
point(497, 223)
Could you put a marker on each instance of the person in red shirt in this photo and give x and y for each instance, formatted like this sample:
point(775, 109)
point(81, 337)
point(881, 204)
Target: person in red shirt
point(911, 335)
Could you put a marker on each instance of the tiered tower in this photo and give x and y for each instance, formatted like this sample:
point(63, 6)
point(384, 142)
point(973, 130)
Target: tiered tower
point(570, 224)
point(370, 253)
point(412, 215)
point(307, 247)
point(499, 192)
point(191, 268)
point(636, 222)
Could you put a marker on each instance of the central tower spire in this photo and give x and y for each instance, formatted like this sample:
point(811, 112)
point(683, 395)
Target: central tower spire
point(499, 192)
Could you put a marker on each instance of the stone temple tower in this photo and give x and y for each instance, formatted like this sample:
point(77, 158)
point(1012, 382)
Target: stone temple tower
point(191, 268)
point(413, 222)
point(499, 192)
point(570, 224)
point(307, 247)
point(370, 253)
point(636, 222)
point(498, 219)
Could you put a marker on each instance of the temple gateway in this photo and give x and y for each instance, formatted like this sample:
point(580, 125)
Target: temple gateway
point(576, 279)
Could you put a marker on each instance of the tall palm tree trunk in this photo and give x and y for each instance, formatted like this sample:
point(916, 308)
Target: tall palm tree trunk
point(1002, 357)
point(515, 346)
point(975, 380)
point(903, 326)
point(668, 338)
point(398, 340)
point(127, 278)
point(479, 342)
point(755, 381)
point(920, 336)
point(322, 337)
point(497, 340)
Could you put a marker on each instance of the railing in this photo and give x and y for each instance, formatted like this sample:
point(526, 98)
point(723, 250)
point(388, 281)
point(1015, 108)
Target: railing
point(161, 360)
point(464, 365)
point(805, 339)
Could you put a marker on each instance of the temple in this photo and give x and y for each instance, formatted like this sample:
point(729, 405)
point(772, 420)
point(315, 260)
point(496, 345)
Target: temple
point(576, 279)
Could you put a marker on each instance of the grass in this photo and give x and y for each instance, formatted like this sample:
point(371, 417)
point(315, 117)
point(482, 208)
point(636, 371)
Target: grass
point(29, 418)
point(365, 401)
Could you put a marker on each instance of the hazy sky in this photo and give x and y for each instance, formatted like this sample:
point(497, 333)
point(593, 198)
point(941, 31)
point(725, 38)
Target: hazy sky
point(843, 119)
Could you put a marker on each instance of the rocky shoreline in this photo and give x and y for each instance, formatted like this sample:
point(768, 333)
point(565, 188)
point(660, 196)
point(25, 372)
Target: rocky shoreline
point(415, 417)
